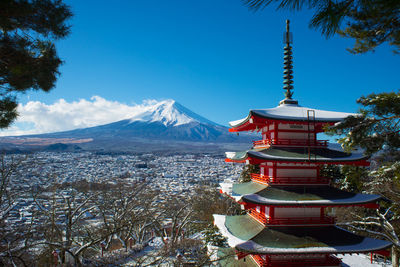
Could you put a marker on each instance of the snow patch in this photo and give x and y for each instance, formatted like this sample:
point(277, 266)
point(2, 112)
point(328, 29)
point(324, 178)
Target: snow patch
point(219, 221)
point(168, 112)
point(295, 112)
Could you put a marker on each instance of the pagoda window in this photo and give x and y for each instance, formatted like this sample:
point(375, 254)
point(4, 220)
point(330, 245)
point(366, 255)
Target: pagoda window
point(297, 212)
point(296, 127)
point(295, 166)
point(311, 173)
point(296, 135)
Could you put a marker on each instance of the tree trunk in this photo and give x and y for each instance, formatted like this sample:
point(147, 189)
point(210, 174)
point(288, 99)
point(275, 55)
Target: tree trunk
point(395, 257)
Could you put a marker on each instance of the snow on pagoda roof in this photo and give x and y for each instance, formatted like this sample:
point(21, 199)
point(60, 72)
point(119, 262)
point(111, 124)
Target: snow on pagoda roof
point(293, 112)
point(291, 240)
point(252, 192)
point(236, 191)
point(297, 154)
point(246, 222)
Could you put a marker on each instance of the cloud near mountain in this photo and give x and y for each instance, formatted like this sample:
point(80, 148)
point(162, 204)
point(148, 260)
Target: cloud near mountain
point(37, 117)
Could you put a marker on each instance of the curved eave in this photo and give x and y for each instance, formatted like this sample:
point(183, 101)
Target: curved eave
point(299, 114)
point(285, 113)
point(220, 220)
point(363, 247)
point(320, 196)
point(230, 189)
point(257, 157)
point(255, 123)
point(256, 239)
point(357, 200)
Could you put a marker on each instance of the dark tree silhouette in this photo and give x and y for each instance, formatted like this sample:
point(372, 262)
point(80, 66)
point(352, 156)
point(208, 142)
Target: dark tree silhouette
point(28, 57)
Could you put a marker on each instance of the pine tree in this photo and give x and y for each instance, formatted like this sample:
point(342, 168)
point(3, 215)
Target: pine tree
point(377, 130)
point(371, 23)
point(28, 57)
point(248, 169)
point(213, 237)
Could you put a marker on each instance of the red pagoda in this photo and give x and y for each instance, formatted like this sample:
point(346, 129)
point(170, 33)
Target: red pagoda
point(290, 217)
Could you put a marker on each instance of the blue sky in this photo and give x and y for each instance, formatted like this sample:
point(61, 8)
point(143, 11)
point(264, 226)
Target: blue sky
point(215, 57)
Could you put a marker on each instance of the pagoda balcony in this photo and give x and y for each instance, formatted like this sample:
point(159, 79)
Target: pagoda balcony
point(260, 217)
point(265, 179)
point(290, 142)
point(260, 261)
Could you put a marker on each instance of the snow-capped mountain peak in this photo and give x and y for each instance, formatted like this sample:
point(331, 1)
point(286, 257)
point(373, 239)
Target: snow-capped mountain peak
point(168, 112)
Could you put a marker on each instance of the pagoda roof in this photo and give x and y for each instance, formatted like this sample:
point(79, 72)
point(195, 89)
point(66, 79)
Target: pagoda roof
point(252, 192)
point(245, 235)
point(293, 112)
point(296, 154)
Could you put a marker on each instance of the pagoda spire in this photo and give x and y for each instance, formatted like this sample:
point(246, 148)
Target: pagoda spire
point(288, 66)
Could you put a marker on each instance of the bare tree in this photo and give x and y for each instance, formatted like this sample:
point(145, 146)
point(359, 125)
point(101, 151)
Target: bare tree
point(14, 238)
point(383, 222)
point(128, 212)
point(69, 224)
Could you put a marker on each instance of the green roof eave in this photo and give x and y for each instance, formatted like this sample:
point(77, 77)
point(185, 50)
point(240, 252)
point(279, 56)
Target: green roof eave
point(295, 195)
point(296, 154)
point(247, 235)
point(310, 239)
point(247, 188)
point(243, 226)
point(308, 195)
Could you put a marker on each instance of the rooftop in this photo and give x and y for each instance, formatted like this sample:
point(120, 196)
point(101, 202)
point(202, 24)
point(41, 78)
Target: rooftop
point(296, 154)
point(292, 240)
point(293, 112)
point(252, 192)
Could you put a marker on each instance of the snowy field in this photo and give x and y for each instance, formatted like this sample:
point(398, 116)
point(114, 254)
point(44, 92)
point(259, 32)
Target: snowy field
point(362, 261)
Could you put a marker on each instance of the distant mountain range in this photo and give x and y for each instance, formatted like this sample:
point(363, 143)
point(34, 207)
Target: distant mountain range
point(165, 126)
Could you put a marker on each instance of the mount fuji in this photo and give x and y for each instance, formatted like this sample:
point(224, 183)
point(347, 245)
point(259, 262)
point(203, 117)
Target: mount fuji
point(162, 126)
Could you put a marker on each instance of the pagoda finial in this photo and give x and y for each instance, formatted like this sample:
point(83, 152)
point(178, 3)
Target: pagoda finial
point(288, 66)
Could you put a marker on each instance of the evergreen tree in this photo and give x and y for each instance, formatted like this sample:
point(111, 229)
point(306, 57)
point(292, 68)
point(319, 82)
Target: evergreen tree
point(370, 23)
point(377, 130)
point(28, 57)
point(213, 237)
point(248, 169)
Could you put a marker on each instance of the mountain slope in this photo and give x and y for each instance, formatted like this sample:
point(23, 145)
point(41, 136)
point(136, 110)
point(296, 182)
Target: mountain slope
point(165, 122)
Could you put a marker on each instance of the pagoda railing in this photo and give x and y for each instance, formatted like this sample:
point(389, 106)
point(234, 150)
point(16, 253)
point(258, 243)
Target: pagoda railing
point(265, 179)
point(290, 220)
point(258, 216)
point(290, 142)
point(259, 260)
point(307, 220)
point(327, 260)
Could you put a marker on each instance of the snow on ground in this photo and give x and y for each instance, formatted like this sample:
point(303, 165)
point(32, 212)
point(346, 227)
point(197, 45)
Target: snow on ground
point(362, 260)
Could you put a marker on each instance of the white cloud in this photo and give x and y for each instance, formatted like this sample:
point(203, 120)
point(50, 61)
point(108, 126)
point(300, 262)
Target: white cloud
point(37, 117)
